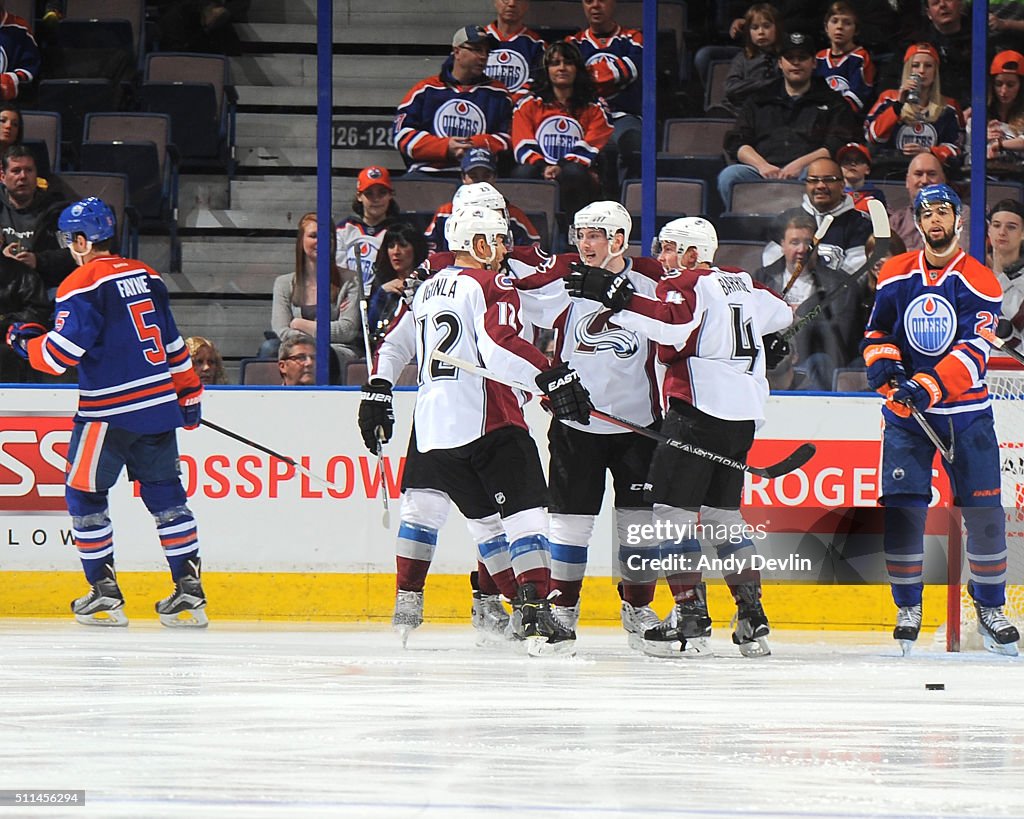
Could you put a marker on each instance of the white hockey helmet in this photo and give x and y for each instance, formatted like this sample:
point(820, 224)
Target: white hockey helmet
point(468, 222)
point(690, 231)
point(611, 217)
point(481, 194)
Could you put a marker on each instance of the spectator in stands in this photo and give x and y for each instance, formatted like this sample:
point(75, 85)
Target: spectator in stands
point(757, 65)
point(373, 210)
point(831, 340)
point(844, 65)
point(558, 131)
point(21, 59)
point(924, 169)
point(517, 50)
point(22, 298)
point(28, 218)
point(296, 360)
point(855, 161)
point(896, 247)
point(402, 250)
point(784, 127)
point(1006, 237)
point(1005, 137)
point(444, 116)
point(898, 127)
point(10, 126)
point(206, 360)
point(949, 34)
point(295, 301)
point(842, 246)
point(205, 26)
point(479, 165)
point(614, 57)
point(1005, 24)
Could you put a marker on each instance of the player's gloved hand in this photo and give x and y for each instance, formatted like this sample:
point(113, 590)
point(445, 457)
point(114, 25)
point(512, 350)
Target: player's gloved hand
point(413, 282)
point(20, 333)
point(192, 409)
point(776, 348)
point(569, 399)
point(921, 391)
point(376, 415)
point(613, 290)
point(885, 365)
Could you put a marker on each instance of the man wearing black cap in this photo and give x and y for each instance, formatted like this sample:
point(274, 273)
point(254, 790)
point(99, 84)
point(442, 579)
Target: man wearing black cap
point(784, 127)
point(444, 116)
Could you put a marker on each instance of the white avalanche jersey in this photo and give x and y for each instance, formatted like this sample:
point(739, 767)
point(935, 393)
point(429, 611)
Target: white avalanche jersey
point(709, 323)
point(473, 315)
point(616, 364)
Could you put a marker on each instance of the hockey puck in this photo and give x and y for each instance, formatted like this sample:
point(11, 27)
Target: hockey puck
point(934, 686)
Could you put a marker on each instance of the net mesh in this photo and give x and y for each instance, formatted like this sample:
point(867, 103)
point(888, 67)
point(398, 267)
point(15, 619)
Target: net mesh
point(1006, 386)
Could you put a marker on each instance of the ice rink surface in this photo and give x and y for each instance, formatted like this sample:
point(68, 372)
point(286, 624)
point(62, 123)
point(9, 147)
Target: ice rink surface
point(256, 720)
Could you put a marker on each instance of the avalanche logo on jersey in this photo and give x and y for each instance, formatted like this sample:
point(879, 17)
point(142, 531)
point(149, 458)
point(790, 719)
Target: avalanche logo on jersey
point(508, 67)
point(459, 118)
point(594, 333)
point(557, 136)
point(831, 255)
point(920, 133)
point(929, 323)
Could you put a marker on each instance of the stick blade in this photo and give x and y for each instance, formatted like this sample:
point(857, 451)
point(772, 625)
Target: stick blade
point(801, 455)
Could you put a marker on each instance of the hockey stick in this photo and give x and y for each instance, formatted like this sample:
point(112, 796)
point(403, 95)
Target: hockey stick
point(826, 223)
point(364, 318)
point(290, 461)
point(999, 342)
point(926, 428)
point(801, 455)
point(882, 233)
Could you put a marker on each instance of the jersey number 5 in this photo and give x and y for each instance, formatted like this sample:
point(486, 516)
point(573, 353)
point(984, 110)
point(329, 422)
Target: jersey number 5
point(149, 334)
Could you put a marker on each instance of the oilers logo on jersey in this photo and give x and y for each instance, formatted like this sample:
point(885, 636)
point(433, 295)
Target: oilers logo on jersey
point(595, 333)
point(557, 136)
point(929, 323)
point(920, 133)
point(459, 118)
point(508, 67)
point(838, 83)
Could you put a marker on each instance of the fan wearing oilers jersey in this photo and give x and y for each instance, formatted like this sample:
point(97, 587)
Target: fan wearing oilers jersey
point(709, 325)
point(620, 370)
point(517, 50)
point(136, 387)
point(922, 351)
point(471, 440)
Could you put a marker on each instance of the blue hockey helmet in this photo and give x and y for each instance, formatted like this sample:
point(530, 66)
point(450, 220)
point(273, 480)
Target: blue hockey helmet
point(91, 217)
point(933, 194)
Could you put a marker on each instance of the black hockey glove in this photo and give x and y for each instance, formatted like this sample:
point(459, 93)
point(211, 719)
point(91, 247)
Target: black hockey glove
point(613, 290)
point(569, 399)
point(776, 348)
point(376, 413)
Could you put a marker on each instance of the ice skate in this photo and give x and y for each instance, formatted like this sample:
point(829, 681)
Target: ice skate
point(908, 626)
point(185, 607)
point(637, 621)
point(999, 635)
point(544, 634)
point(751, 632)
point(685, 632)
point(103, 605)
point(408, 613)
point(489, 618)
point(568, 616)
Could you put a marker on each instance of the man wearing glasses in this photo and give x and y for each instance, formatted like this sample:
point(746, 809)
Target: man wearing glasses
point(842, 246)
point(787, 125)
point(296, 360)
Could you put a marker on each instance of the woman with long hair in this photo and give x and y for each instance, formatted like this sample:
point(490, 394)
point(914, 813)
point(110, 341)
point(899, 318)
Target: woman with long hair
point(402, 250)
point(206, 360)
point(560, 128)
point(295, 299)
point(916, 117)
point(1005, 134)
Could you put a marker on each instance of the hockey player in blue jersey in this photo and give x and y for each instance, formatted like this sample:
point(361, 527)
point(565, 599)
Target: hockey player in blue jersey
point(923, 352)
point(136, 387)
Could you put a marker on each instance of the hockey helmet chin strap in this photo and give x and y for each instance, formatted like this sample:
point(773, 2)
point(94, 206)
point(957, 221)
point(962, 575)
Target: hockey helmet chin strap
point(494, 252)
point(613, 254)
point(954, 245)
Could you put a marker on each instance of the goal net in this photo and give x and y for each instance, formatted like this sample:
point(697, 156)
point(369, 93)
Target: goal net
point(1006, 386)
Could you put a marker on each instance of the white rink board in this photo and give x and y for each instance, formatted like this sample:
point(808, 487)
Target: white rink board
point(255, 516)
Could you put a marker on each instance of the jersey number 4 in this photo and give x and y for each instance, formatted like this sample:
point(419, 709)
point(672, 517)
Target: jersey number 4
point(744, 345)
point(149, 334)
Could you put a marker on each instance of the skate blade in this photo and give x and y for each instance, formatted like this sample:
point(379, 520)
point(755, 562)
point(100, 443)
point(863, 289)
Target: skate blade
point(756, 648)
point(1004, 649)
point(540, 647)
point(491, 639)
point(697, 648)
point(189, 618)
point(403, 633)
point(111, 618)
point(906, 646)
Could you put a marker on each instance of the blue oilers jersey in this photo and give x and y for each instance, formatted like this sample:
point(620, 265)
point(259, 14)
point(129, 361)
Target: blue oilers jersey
point(933, 317)
point(512, 61)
